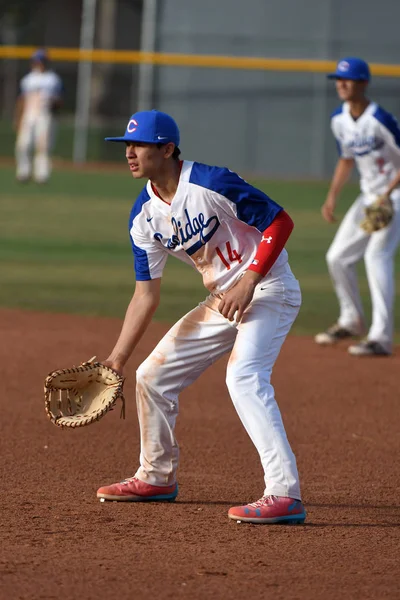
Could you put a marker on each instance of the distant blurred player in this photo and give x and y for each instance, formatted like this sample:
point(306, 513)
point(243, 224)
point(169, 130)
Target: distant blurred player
point(369, 137)
point(40, 97)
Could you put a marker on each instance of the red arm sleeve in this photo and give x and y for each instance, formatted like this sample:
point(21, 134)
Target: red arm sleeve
point(272, 243)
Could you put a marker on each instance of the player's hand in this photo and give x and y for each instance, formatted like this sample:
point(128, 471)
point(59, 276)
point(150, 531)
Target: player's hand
point(236, 300)
point(114, 365)
point(327, 210)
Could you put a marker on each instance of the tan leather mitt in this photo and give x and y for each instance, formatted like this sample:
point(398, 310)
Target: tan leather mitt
point(378, 214)
point(81, 395)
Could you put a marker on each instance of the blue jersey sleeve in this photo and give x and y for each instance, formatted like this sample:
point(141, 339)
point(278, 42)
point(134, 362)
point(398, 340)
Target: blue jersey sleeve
point(142, 268)
point(338, 111)
point(60, 88)
point(22, 86)
point(390, 123)
point(253, 206)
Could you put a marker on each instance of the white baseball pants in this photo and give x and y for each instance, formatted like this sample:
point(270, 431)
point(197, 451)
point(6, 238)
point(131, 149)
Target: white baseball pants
point(199, 339)
point(34, 134)
point(349, 246)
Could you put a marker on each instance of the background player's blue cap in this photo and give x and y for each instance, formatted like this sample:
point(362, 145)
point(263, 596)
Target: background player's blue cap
point(40, 55)
point(150, 127)
point(351, 68)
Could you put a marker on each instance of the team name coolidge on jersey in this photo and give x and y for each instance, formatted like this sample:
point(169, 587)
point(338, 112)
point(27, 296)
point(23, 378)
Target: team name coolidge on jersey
point(190, 228)
point(364, 145)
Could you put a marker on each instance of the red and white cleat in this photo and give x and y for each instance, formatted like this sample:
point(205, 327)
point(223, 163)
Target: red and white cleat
point(134, 490)
point(270, 509)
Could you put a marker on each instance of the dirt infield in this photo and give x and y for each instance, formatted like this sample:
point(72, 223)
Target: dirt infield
point(58, 541)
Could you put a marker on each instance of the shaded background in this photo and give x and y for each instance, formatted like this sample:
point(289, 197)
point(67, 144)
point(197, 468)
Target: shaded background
point(273, 124)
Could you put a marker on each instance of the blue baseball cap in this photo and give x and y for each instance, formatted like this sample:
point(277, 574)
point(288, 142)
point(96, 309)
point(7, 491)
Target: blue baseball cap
point(40, 56)
point(150, 127)
point(351, 68)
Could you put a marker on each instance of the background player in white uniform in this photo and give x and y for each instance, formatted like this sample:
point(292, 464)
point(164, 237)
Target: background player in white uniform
point(369, 137)
point(234, 235)
point(40, 97)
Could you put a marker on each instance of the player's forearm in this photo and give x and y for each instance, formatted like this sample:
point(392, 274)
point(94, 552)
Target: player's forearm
point(274, 238)
point(393, 184)
point(341, 175)
point(272, 243)
point(18, 113)
point(56, 103)
point(138, 316)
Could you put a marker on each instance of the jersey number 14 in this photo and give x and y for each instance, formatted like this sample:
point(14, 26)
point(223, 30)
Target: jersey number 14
point(232, 255)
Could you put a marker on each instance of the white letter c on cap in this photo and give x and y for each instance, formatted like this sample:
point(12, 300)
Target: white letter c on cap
point(132, 126)
point(343, 66)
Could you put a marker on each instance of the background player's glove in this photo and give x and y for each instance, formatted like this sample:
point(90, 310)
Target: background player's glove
point(378, 214)
point(82, 395)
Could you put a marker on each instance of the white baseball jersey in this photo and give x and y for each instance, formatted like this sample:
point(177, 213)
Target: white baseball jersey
point(38, 88)
point(373, 141)
point(214, 223)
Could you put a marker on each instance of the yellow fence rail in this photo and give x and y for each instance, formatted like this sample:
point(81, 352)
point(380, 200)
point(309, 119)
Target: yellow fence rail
point(190, 60)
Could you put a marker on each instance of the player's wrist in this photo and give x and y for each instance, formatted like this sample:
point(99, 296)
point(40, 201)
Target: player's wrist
point(116, 362)
point(252, 276)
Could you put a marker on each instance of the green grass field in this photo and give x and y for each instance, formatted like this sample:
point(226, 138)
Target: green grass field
point(65, 248)
point(97, 150)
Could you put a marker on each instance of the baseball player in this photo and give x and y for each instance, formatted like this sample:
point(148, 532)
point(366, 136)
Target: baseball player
point(369, 137)
point(234, 235)
point(40, 97)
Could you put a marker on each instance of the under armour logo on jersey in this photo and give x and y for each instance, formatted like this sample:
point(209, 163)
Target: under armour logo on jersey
point(132, 125)
point(267, 239)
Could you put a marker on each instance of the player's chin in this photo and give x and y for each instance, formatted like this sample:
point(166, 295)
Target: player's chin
point(344, 95)
point(137, 174)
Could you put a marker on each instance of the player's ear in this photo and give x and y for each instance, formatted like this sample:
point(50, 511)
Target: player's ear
point(168, 149)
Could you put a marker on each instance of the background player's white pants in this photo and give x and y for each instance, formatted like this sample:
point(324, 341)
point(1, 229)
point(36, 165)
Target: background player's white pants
point(349, 246)
point(34, 134)
point(192, 345)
